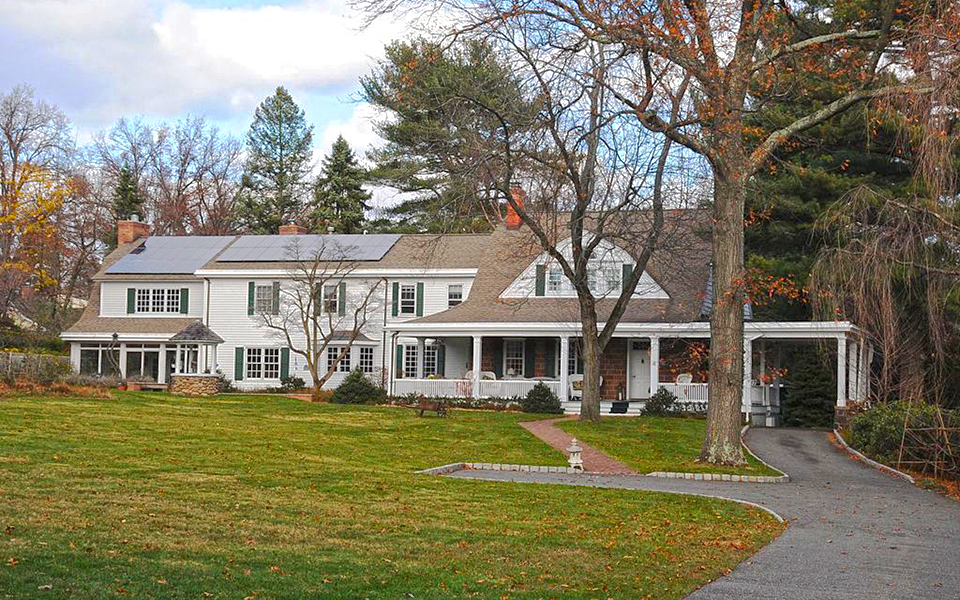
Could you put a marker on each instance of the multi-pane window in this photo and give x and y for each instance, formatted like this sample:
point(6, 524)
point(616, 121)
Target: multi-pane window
point(335, 351)
point(513, 357)
point(408, 299)
point(99, 360)
point(574, 357)
point(254, 363)
point(611, 276)
point(263, 299)
point(554, 280)
point(366, 359)
point(454, 294)
point(263, 363)
point(331, 298)
point(157, 301)
point(410, 361)
point(430, 362)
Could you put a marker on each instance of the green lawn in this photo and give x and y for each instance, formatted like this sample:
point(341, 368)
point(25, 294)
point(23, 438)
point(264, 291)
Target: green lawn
point(650, 444)
point(151, 496)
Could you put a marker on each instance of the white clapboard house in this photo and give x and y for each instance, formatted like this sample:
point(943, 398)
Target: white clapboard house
point(456, 315)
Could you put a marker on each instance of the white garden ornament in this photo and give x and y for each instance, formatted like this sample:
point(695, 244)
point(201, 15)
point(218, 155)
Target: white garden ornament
point(576, 463)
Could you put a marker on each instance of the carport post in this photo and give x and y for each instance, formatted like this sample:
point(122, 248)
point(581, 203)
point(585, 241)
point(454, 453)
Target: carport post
point(842, 371)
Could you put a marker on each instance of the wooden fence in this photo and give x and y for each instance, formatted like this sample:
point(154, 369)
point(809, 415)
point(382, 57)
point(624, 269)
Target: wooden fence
point(24, 365)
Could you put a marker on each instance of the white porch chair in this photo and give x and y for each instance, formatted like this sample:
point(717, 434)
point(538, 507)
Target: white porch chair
point(684, 378)
point(484, 375)
point(576, 386)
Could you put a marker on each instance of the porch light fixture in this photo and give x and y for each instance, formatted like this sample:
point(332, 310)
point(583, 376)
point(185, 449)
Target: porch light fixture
point(576, 463)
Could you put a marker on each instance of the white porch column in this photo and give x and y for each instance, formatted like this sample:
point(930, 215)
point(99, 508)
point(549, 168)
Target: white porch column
point(654, 364)
point(163, 369)
point(477, 358)
point(862, 372)
point(866, 372)
point(747, 400)
point(123, 360)
point(842, 371)
point(564, 368)
point(390, 359)
point(421, 345)
point(852, 372)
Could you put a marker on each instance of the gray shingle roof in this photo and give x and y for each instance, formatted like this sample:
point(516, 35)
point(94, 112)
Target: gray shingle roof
point(197, 332)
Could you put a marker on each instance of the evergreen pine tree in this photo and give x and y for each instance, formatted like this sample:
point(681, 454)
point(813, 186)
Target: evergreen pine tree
point(339, 199)
point(127, 198)
point(278, 163)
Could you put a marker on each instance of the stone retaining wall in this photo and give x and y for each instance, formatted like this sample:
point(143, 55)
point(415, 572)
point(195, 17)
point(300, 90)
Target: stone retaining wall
point(194, 385)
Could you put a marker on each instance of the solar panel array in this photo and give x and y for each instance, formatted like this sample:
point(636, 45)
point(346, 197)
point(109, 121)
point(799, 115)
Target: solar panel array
point(160, 255)
point(333, 247)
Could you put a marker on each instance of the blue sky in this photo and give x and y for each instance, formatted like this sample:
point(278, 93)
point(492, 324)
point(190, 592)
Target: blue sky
point(100, 60)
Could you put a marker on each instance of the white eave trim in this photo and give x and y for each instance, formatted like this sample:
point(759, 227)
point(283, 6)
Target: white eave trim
point(355, 273)
point(770, 329)
point(82, 336)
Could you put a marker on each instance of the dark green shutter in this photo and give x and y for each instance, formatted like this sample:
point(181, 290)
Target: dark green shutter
point(441, 360)
point(529, 357)
point(419, 298)
point(396, 298)
point(550, 357)
point(497, 357)
point(342, 299)
point(131, 301)
point(284, 363)
point(276, 297)
point(184, 300)
point(238, 364)
point(627, 274)
point(317, 299)
point(541, 280)
point(251, 291)
point(399, 372)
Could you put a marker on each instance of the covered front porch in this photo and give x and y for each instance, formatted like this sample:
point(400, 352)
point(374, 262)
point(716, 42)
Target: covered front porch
point(439, 361)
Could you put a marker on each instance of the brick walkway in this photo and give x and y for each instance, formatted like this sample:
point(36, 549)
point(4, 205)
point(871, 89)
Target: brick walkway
point(593, 460)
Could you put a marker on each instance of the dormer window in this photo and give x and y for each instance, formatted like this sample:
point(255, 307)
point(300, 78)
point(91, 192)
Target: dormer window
point(554, 280)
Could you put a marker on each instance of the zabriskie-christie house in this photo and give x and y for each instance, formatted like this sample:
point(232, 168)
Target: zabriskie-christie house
point(454, 315)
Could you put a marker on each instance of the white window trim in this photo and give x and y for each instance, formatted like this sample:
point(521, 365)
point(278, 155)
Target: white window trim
point(344, 366)
point(450, 289)
point(262, 350)
point(523, 356)
point(413, 306)
point(145, 297)
point(370, 350)
point(257, 309)
point(335, 299)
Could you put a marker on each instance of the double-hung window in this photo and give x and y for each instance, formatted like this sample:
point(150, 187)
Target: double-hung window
point(429, 360)
point(410, 361)
point(263, 299)
point(335, 351)
point(263, 363)
point(554, 280)
point(157, 301)
point(454, 294)
point(513, 357)
point(366, 359)
point(331, 299)
point(408, 299)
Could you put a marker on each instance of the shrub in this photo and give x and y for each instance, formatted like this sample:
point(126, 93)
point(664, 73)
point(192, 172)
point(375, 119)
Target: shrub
point(224, 385)
point(320, 395)
point(540, 400)
point(662, 403)
point(357, 389)
point(292, 384)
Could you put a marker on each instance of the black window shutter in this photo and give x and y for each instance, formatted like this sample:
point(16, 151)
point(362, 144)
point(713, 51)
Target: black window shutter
point(276, 297)
point(419, 298)
point(342, 299)
point(396, 298)
point(441, 360)
point(497, 357)
point(184, 300)
point(627, 274)
point(284, 363)
point(131, 301)
point(550, 357)
point(251, 291)
point(529, 357)
point(238, 364)
point(399, 371)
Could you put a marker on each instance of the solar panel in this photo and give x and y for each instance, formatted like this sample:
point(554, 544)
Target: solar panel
point(337, 246)
point(160, 255)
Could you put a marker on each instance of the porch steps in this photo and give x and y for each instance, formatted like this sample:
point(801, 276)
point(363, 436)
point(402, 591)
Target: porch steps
point(572, 407)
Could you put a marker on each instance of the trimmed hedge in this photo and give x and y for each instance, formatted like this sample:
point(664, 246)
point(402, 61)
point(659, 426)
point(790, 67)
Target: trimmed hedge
point(541, 399)
point(357, 389)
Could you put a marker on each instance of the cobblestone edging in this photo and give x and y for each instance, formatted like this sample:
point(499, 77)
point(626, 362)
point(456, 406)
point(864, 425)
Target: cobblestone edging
point(460, 466)
point(721, 477)
point(870, 461)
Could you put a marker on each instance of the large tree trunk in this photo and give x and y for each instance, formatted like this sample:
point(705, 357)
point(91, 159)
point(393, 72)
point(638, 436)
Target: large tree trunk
point(721, 444)
point(590, 347)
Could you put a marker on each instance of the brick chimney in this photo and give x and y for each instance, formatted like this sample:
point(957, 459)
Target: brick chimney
point(292, 229)
point(131, 231)
point(513, 219)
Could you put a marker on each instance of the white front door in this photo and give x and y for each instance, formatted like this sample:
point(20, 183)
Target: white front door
point(639, 371)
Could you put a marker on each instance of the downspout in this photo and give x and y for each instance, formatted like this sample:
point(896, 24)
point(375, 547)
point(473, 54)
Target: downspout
point(383, 333)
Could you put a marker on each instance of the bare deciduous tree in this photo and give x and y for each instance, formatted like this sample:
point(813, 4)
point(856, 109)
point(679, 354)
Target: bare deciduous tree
point(321, 304)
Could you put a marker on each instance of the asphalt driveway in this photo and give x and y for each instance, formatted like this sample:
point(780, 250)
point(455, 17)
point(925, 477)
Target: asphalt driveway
point(854, 532)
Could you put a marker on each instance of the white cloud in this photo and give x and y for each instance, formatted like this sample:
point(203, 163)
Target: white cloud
point(163, 57)
point(357, 130)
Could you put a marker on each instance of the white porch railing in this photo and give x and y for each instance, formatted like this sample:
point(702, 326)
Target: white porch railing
point(434, 388)
point(509, 388)
point(463, 388)
point(687, 392)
